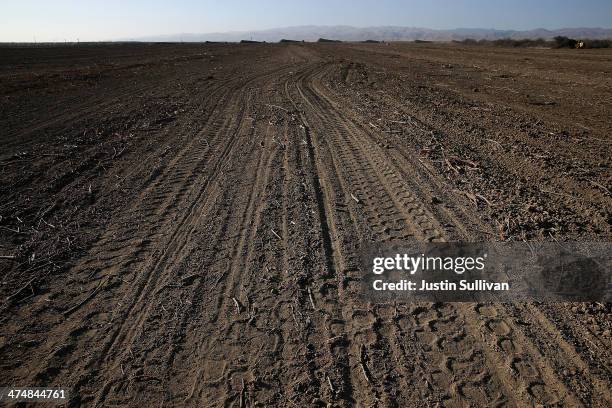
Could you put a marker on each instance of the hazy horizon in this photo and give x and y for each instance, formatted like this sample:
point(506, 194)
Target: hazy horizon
point(382, 25)
point(66, 20)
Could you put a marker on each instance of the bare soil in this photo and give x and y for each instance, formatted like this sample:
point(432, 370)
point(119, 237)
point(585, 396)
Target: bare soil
point(180, 224)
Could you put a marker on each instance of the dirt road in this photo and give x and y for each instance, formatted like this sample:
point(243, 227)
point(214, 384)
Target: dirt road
point(181, 224)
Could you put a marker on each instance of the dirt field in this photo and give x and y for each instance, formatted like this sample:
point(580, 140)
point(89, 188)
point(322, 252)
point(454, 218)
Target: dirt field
point(180, 224)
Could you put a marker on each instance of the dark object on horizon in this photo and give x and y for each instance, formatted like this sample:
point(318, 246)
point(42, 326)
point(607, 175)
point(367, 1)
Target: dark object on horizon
point(250, 42)
point(325, 40)
point(507, 42)
point(597, 43)
point(289, 41)
point(422, 41)
point(372, 41)
point(565, 42)
point(558, 42)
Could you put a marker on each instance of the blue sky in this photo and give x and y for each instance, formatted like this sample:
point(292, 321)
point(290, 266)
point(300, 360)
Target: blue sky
point(92, 20)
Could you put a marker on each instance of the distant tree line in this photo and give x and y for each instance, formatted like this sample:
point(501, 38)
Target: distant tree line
point(556, 42)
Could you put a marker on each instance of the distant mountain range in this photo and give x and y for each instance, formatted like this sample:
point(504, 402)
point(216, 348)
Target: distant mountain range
point(383, 33)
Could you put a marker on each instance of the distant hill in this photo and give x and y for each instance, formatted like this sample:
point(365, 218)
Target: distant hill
point(383, 33)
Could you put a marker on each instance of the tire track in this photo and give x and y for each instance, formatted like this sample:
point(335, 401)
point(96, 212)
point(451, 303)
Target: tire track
point(341, 374)
point(418, 222)
point(554, 377)
point(534, 388)
point(161, 201)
